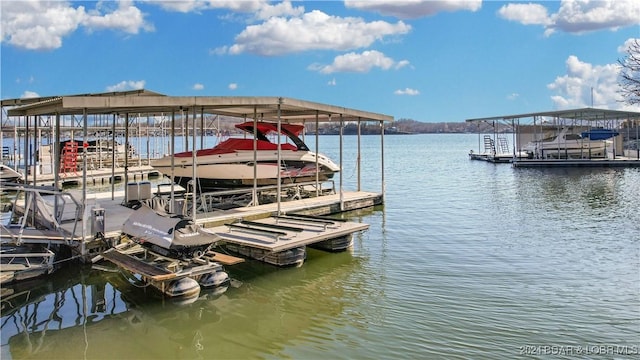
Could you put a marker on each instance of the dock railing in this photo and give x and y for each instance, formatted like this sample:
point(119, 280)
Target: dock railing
point(34, 219)
point(226, 199)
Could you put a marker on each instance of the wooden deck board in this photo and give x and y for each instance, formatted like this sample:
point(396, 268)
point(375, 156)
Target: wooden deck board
point(137, 266)
point(223, 259)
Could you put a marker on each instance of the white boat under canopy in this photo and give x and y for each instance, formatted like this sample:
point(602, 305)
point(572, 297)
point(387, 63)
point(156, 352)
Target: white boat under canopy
point(235, 162)
point(565, 145)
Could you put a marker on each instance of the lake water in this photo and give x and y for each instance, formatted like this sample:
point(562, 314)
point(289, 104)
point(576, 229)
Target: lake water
point(466, 260)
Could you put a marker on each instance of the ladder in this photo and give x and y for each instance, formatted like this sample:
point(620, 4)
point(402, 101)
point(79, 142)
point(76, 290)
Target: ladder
point(503, 145)
point(69, 159)
point(489, 145)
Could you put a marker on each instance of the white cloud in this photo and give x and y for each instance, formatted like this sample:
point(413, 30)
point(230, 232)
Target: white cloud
point(314, 30)
point(284, 8)
point(527, 14)
point(260, 9)
point(233, 86)
point(412, 9)
point(37, 25)
point(41, 25)
point(401, 64)
point(127, 85)
point(361, 63)
point(183, 6)
point(29, 94)
point(222, 50)
point(30, 80)
point(513, 96)
point(125, 17)
point(407, 91)
point(624, 48)
point(584, 80)
point(198, 86)
point(576, 16)
point(332, 82)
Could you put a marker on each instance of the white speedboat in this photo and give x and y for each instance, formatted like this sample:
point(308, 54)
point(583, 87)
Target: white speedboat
point(231, 163)
point(565, 145)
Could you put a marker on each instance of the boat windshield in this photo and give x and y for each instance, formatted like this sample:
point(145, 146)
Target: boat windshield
point(263, 128)
point(572, 137)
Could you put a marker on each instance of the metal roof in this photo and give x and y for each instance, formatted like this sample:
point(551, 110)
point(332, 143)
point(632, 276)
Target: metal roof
point(587, 114)
point(147, 102)
point(44, 99)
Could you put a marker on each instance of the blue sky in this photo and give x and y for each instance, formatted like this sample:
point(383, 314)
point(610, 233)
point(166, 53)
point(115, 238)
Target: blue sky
point(429, 61)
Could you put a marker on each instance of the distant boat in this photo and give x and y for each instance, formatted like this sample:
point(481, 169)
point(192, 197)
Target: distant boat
point(231, 163)
point(71, 151)
point(599, 134)
point(565, 145)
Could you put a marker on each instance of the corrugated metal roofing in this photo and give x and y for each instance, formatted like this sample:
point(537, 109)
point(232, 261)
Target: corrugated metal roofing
point(587, 114)
point(147, 102)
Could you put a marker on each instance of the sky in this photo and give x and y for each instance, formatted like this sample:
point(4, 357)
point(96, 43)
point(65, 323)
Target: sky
point(429, 61)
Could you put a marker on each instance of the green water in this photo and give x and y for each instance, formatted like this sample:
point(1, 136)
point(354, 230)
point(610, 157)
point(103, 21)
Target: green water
point(466, 260)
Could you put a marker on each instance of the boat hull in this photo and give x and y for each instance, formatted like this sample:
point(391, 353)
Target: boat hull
point(567, 151)
point(566, 145)
point(239, 169)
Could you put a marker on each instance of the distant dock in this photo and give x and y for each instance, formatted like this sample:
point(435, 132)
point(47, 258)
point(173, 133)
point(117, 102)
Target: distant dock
point(577, 163)
point(586, 137)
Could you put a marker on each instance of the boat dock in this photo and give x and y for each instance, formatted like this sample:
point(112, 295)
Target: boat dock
point(493, 158)
point(281, 240)
point(618, 162)
point(275, 220)
point(492, 153)
point(107, 213)
point(586, 137)
point(276, 233)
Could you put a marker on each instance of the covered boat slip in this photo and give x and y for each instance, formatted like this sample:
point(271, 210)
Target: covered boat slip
point(586, 137)
point(34, 116)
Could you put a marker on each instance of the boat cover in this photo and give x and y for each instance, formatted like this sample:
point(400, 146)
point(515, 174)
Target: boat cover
point(268, 127)
point(166, 231)
point(600, 134)
point(262, 142)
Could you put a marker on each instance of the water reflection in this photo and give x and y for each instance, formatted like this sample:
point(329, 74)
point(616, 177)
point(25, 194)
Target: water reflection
point(593, 188)
point(98, 314)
